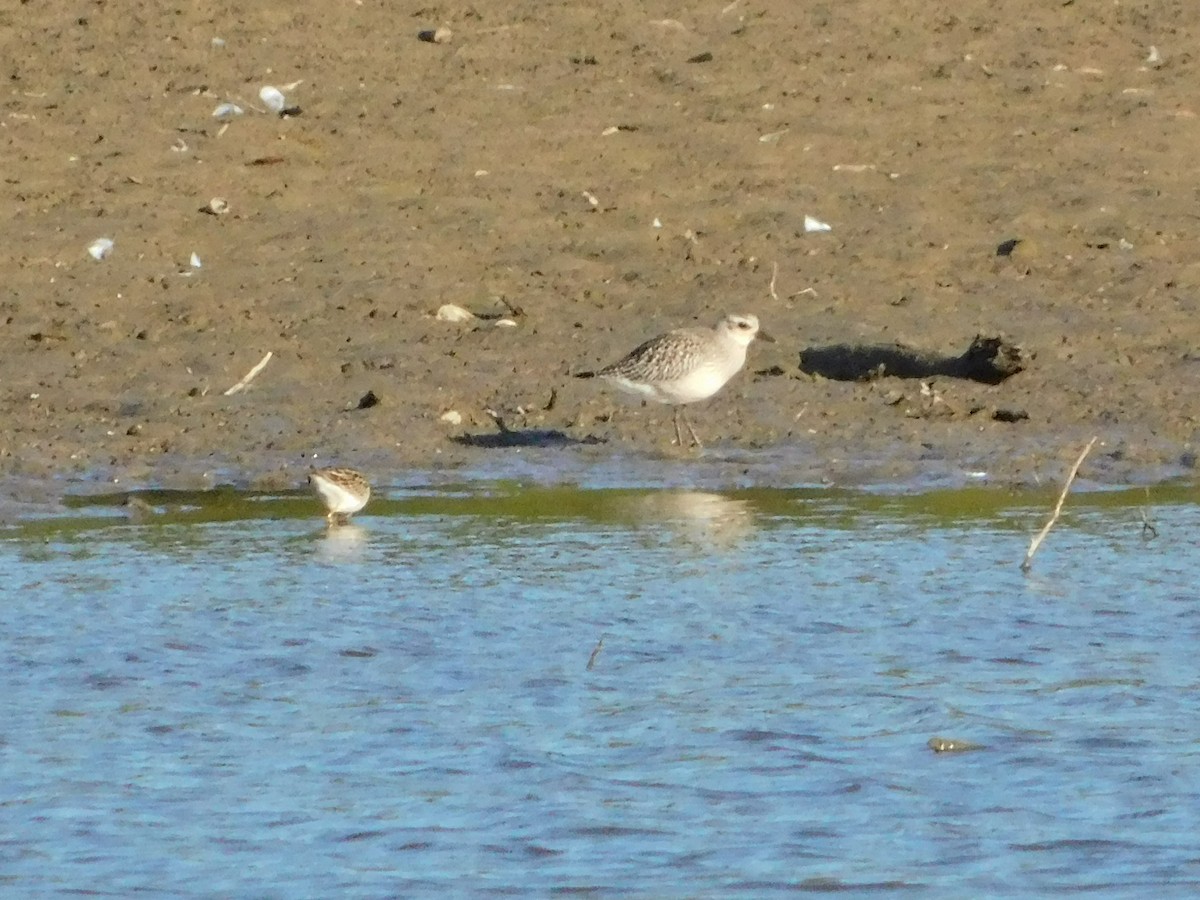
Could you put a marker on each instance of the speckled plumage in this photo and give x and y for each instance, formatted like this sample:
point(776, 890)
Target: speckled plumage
point(685, 365)
point(343, 491)
point(667, 357)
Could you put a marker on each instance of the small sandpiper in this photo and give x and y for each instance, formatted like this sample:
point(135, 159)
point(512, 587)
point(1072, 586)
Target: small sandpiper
point(685, 365)
point(343, 491)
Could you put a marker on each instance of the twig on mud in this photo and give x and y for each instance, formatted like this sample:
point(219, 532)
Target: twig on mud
point(1062, 497)
point(512, 307)
point(595, 653)
point(498, 419)
point(774, 273)
point(250, 376)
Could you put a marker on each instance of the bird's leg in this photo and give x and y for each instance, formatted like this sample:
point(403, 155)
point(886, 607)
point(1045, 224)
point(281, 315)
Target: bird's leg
point(678, 433)
point(692, 431)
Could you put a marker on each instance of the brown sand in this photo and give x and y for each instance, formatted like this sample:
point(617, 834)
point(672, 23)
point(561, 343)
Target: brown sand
point(420, 173)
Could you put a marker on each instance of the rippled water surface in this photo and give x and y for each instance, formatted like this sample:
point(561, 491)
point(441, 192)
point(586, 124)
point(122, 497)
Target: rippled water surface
point(608, 693)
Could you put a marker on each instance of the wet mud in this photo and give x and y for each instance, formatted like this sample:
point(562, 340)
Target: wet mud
point(582, 178)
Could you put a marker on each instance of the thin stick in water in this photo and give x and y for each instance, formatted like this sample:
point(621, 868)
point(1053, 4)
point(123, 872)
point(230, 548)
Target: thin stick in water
point(595, 653)
point(1148, 530)
point(1062, 497)
point(250, 375)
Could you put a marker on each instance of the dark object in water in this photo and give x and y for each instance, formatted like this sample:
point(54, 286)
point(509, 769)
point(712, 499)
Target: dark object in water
point(952, 745)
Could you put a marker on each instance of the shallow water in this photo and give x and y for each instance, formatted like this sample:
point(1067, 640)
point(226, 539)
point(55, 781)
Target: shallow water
point(225, 699)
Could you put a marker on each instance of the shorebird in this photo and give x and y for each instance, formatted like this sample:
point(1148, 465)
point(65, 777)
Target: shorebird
point(685, 365)
point(343, 491)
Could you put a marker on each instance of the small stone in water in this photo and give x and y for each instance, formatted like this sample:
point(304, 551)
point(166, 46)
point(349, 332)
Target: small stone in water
point(952, 745)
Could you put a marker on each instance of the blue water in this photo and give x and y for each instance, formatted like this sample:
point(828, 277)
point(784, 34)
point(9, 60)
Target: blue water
point(235, 702)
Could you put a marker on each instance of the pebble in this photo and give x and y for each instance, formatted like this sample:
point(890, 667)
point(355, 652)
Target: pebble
point(100, 248)
point(449, 312)
point(439, 35)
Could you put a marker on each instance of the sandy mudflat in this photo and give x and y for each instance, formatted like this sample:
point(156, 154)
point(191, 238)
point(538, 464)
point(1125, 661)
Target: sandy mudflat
point(611, 173)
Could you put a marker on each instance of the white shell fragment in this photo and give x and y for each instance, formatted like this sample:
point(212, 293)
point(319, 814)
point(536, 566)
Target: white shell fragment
point(451, 417)
point(448, 312)
point(100, 248)
point(506, 323)
point(227, 111)
point(217, 206)
point(439, 35)
point(272, 98)
point(195, 261)
point(218, 43)
point(811, 225)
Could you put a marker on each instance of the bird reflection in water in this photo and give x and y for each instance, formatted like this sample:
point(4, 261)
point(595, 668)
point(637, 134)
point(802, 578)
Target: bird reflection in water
point(701, 517)
point(344, 544)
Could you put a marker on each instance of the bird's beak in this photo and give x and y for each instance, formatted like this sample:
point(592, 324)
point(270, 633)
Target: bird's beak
point(764, 336)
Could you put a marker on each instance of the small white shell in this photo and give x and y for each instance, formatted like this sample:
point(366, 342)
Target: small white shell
point(100, 248)
point(448, 312)
point(195, 261)
point(227, 111)
point(451, 417)
point(272, 98)
point(506, 323)
point(218, 206)
point(811, 225)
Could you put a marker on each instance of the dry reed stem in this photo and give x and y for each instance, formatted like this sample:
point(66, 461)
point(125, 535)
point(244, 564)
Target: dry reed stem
point(1062, 497)
point(250, 375)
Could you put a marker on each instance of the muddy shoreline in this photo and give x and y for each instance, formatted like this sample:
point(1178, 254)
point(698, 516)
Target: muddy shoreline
point(611, 174)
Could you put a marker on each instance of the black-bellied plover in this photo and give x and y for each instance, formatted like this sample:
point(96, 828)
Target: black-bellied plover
point(685, 365)
point(343, 491)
